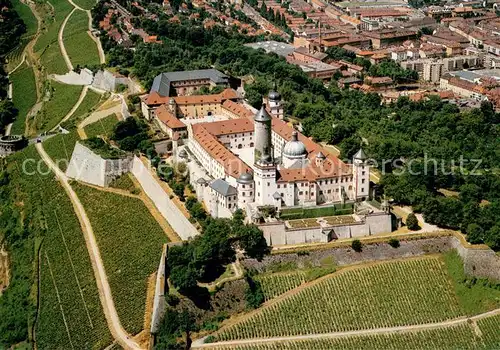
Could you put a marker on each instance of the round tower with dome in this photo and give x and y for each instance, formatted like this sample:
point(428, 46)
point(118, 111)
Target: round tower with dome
point(245, 188)
point(293, 152)
point(263, 146)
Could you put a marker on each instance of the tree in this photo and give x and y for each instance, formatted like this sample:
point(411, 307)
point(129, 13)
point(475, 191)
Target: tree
point(475, 233)
point(412, 222)
point(184, 278)
point(357, 246)
point(252, 241)
point(254, 295)
point(393, 242)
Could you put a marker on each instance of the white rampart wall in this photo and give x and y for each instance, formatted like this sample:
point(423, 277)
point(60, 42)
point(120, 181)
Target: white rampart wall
point(180, 224)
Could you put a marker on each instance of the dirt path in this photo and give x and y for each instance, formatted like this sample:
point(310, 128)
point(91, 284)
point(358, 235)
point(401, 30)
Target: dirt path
point(4, 269)
point(61, 41)
point(75, 107)
point(105, 295)
point(421, 327)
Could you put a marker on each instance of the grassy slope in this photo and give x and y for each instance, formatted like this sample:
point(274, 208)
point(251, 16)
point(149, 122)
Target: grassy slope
point(102, 127)
point(46, 206)
point(130, 241)
point(62, 100)
point(474, 298)
point(81, 49)
point(23, 95)
point(27, 16)
point(60, 148)
point(89, 103)
point(47, 46)
point(86, 4)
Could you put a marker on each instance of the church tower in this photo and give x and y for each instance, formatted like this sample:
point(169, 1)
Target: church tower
point(263, 146)
point(361, 175)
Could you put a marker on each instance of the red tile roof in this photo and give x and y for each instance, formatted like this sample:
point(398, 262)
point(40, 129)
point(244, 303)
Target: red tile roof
point(164, 115)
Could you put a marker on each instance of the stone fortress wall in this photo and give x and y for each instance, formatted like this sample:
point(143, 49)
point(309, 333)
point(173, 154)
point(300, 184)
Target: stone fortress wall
point(89, 167)
point(478, 261)
point(277, 233)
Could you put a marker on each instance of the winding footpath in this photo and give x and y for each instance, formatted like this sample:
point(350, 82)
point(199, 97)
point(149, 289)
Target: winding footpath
point(83, 94)
point(61, 41)
point(366, 332)
point(105, 295)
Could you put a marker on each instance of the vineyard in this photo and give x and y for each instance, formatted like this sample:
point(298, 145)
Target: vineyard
point(63, 98)
point(60, 148)
point(125, 183)
point(102, 127)
point(23, 95)
point(382, 295)
point(47, 46)
point(452, 338)
point(91, 101)
point(279, 283)
point(490, 329)
point(81, 49)
point(130, 242)
point(68, 289)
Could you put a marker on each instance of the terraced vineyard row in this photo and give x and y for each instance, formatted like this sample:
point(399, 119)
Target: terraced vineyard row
point(279, 283)
point(383, 295)
point(490, 329)
point(70, 314)
point(458, 337)
point(130, 241)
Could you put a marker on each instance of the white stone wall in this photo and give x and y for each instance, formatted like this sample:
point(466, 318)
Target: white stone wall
point(180, 224)
point(265, 186)
point(278, 234)
point(361, 179)
point(89, 167)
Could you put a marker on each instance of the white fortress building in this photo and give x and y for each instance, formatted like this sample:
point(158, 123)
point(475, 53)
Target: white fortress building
point(263, 161)
point(242, 158)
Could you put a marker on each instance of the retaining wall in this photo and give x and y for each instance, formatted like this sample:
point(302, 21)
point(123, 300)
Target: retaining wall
point(180, 224)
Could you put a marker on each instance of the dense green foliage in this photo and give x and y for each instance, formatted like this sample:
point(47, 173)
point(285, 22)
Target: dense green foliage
point(204, 258)
point(12, 28)
point(23, 96)
point(412, 222)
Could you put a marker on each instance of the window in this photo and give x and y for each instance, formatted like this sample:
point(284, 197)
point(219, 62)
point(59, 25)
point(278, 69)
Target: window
point(363, 181)
point(336, 190)
point(268, 184)
point(279, 186)
point(258, 194)
point(320, 193)
point(363, 172)
point(329, 191)
point(362, 190)
point(229, 205)
point(300, 193)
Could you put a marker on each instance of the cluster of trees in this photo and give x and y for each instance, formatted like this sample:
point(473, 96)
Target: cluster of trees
point(204, 259)
point(12, 28)
point(132, 135)
point(175, 175)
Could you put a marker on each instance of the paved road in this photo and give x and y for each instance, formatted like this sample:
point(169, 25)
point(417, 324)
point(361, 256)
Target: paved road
point(104, 289)
point(421, 327)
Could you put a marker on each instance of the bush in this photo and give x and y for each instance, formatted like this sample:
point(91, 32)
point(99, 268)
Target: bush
point(356, 245)
point(393, 242)
point(254, 295)
point(412, 222)
point(172, 300)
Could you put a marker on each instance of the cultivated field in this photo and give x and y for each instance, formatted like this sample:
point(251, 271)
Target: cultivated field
point(70, 311)
point(490, 328)
point(90, 103)
point(23, 95)
point(60, 148)
point(130, 241)
point(54, 110)
point(458, 337)
point(47, 46)
point(81, 49)
point(279, 283)
point(382, 295)
point(102, 127)
point(86, 4)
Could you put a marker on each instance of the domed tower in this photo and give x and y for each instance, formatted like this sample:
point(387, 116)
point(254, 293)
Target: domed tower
point(263, 146)
point(275, 104)
point(361, 175)
point(293, 151)
point(246, 190)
